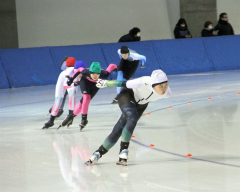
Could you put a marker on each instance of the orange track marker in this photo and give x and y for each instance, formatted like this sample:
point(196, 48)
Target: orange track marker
point(169, 107)
point(133, 137)
point(189, 155)
point(189, 102)
point(147, 113)
point(151, 145)
point(239, 93)
point(209, 98)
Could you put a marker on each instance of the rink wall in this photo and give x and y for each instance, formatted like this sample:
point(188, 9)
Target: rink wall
point(41, 66)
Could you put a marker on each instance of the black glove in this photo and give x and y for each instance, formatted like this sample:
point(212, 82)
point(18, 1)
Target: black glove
point(70, 80)
point(77, 83)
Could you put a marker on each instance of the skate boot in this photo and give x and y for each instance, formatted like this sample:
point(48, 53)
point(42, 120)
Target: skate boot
point(93, 160)
point(67, 121)
point(70, 113)
point(50, 123)
point(83, 123)
point(60, 112)
point(123, 156)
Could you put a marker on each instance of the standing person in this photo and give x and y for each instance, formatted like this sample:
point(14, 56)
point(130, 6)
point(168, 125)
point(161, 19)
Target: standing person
point(89, 90)
point(133, 35)
point(127, 66)
point(181, 29)
point(133, 100)
point(208, 30)
point(223, 26)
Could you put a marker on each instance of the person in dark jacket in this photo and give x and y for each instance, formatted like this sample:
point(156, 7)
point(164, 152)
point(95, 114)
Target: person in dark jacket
point(208, 30)
point(223, 27)
point(133, 35)
point(181, 29)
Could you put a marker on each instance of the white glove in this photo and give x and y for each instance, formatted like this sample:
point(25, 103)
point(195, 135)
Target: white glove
point(101, 83)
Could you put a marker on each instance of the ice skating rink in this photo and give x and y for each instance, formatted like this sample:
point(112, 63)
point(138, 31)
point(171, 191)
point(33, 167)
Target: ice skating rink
point(36, 160)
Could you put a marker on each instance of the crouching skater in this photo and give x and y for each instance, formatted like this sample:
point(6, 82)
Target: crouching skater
point(133, 100)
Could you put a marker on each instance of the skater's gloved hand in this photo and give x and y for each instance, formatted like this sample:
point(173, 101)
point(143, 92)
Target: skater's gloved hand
point(142, 66)
point(70, 80)
point(101, 83)
point(77, 83)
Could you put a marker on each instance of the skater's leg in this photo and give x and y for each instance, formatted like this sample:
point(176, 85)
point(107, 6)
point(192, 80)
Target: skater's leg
point(78, 108)
point(127, 133)
point(85, 104)
point(59, 93)
point(64, 100)
point(109, 142)
point(112, 139)
point(72, 98)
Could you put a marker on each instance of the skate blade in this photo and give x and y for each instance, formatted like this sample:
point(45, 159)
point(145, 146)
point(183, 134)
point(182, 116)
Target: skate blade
point(81, 128)
point(87, 163)
point(59, 127)
point(47, 114)
point(124, 163)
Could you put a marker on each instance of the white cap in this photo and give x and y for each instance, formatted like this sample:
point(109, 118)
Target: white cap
point(158, 76)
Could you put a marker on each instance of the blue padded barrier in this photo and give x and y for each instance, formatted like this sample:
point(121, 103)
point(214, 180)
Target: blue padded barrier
point(144, 48)
point(4, 83)
point(29, 67)
point(224, 52)
point(41, 66)
point(182, 56)
point(85, 53)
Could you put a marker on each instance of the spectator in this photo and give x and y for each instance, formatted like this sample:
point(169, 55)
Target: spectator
point(208, 30)
point(181, 30)
point(133, 35)
point(223, 27)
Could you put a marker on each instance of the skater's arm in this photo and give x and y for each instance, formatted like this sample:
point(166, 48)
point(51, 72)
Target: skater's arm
point(139, 57)
point(111, 67)
point(75, 75)
point(63, 64)
point(105, 73)
point(119, 53)
point(131, 84)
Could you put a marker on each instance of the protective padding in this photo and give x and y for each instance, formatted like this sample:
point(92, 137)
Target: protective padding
point(224, 52)
point(182, 56)
point(29, 67)
point(4, 83)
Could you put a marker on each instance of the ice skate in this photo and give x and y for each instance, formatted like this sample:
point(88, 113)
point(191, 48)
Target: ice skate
point(67, 121)
point(83, 124)
point(93, 160)
point(123, 156)
point(48, 124)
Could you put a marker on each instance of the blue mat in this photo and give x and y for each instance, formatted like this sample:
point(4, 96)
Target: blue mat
point(29, 67)
point(4, 83)
point(224, 52)
point(182, 56)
